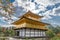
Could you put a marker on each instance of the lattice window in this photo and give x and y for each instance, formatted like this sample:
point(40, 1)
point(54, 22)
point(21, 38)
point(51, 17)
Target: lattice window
point(23, 32)
point(27, 33)
point(17, 33)
point(32, 33)
point(20, 32)
point(36, 33)
point(39, 33)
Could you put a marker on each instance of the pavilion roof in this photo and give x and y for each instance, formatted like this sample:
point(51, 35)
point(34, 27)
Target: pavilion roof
point(30, 23)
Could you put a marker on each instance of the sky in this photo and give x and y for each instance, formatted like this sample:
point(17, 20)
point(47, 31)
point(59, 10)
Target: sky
point(50, 9)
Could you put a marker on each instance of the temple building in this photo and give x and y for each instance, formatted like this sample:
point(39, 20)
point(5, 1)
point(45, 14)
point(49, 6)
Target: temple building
point(30, 26)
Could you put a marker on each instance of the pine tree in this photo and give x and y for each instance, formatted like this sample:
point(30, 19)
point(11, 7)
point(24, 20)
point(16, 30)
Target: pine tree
point(6, 9)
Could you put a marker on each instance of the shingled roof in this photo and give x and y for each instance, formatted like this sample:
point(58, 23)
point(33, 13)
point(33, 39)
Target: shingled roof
point(29, 13)
point(30, 23)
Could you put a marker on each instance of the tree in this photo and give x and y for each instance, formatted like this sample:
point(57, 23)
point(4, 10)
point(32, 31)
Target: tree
point(57, 30)
point(54, 29)
point(7, 9)
point(9, 33)
point(50, 33)
point(55, 38)
point(1, 31)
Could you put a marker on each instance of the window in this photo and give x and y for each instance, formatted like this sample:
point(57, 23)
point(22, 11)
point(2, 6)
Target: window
point(44, 33)
point(39, 33)
point(20, 32)
point(17, 33)
point(36, 33)
point(32, 33)
point(27, 33)
point(23, 32)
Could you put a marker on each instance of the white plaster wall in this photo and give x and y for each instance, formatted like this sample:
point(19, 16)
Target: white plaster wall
point(28, 32)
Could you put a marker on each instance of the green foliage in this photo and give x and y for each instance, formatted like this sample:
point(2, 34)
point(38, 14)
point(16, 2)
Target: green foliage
point(33, 39)
point(8, 0)
point(9, 33)
point(50, 33)
point(0, 29)
point(6, 32)
point(26, 39)
point(54, 29)
point(1, 1)
point(8, 7)
point(1, 33)
point(55, 38)
point(57, 30)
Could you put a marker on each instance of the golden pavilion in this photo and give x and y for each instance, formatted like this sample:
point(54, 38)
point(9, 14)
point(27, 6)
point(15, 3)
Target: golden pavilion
point(30, 26)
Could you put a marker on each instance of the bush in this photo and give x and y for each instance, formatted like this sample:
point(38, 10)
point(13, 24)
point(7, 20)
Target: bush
point(55, 38)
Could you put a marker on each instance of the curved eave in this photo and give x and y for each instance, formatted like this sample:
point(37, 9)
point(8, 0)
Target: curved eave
point(29, 13)
point(30, 28)
point(28, 21)
point(24, 19)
